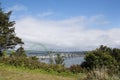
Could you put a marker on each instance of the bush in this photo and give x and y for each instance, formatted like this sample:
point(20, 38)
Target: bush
point(75, 69)
point(31, 63)
point(59, 60)
point(99, 57)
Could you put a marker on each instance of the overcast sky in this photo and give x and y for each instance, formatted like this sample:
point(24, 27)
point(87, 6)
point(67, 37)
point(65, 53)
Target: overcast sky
point(66, 24)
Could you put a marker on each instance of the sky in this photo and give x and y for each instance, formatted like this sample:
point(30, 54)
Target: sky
point(66, 25)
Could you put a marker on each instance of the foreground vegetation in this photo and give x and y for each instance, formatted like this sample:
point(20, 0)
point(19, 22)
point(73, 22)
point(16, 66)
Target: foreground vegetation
point(13, 73)
point(100, 64)
point(8, 72)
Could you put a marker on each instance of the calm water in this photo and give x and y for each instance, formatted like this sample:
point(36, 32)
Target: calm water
point(75, 60)
point(69, 61)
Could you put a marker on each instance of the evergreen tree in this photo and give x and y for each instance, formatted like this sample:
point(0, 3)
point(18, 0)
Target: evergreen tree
point(20, 52)
point(8, 38)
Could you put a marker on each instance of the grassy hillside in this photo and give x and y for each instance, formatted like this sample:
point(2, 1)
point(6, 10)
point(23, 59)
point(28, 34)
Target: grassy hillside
point(13, 73)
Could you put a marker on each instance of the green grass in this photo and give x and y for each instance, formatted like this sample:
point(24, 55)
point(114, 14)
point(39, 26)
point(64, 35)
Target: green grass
point(8, 72)
point(12, 73)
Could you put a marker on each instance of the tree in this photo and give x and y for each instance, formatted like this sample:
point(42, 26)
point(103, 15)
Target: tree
point(59, 59)
point(8, 38)
point(99, 57)
point(116, 54)
point(20, 52)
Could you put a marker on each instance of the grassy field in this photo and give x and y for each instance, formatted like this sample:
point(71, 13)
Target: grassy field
point(13, 73)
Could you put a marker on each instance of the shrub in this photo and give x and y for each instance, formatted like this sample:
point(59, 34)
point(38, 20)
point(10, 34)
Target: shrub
point(75, 68)
point(59, 59)
point(99, 57)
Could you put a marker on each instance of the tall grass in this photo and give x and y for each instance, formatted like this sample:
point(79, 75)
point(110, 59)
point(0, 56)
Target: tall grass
point(102, 74)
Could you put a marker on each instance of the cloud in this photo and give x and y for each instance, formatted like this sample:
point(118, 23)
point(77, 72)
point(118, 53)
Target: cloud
point(18, 8)
point(69, 34)
point(45, 14)
point(99, 20)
